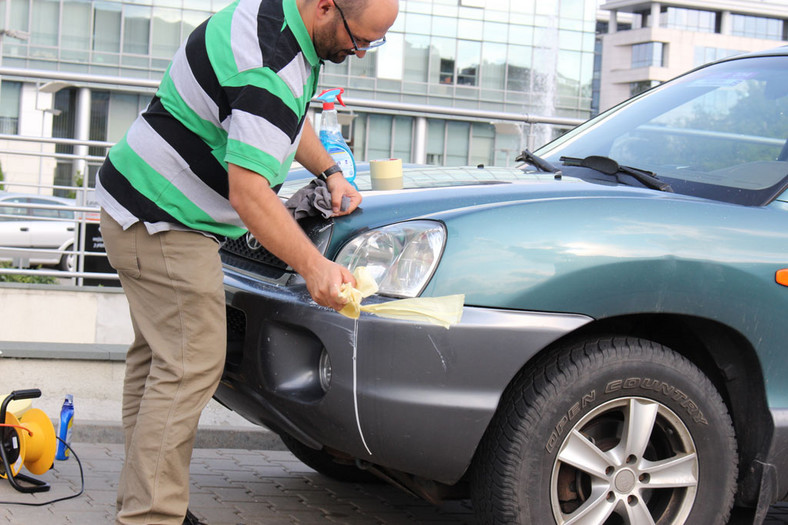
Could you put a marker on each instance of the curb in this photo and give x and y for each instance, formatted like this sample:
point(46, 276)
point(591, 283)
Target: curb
point(109, 432)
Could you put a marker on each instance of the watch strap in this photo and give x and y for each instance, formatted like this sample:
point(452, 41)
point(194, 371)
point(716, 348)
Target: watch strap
point(329, 171)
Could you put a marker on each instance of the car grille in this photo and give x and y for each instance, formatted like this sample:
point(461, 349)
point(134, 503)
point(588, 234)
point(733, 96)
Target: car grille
point(236, 334)
point(236, 324)
point(240, 247)
point(246, 247)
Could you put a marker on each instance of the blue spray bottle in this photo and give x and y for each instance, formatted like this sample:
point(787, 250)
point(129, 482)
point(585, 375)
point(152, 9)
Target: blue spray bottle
point(64, 428)
point(331, 133)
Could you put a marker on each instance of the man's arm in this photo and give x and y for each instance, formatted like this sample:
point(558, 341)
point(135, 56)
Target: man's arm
point(269, 221)
point(313, 156)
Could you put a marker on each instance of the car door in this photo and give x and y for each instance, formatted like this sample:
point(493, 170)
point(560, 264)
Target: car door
point(14, 224)
point(49, 228)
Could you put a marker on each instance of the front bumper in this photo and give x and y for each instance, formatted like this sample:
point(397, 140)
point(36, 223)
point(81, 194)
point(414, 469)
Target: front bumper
point(407, 396)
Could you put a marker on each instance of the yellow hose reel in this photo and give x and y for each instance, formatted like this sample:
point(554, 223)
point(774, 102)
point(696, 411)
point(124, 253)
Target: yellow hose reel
point(27, 438)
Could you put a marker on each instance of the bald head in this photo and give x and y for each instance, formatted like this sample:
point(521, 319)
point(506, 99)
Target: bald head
point(355, 8)
point(379, 14)
point(340, 28)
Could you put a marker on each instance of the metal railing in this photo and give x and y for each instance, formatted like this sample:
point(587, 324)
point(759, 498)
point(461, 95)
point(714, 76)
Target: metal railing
point(85, 222)
point(86, 215)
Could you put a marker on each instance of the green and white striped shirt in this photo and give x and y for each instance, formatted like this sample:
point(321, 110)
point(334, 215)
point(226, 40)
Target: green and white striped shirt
point(236, 92)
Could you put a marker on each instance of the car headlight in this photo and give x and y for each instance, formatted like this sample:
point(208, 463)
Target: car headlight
point(400, 257)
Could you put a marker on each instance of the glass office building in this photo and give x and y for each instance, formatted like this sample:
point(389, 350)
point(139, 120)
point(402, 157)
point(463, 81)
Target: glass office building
point(520, 57)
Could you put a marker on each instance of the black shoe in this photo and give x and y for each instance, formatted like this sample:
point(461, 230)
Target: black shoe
point(191, 519)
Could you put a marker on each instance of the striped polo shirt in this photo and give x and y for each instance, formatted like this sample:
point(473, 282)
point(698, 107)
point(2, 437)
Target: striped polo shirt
point(236, 92)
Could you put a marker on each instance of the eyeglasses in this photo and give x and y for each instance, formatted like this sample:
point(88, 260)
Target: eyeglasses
point(371, 45)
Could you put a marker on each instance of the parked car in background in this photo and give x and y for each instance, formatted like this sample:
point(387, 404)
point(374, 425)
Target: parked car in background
point(37, 235)
point(623, 351)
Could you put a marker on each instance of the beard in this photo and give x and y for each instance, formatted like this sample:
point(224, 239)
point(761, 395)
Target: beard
point(339, 56)
point(328, 48)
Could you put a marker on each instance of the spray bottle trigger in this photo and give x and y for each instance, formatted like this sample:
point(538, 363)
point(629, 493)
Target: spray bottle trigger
point(330, 95)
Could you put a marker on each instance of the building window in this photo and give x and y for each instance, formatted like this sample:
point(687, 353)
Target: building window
point(446, 73)
point(636, 88)
point(648, 54)
point(379, 127)
point(136, 29)
point(74, 46)
point(106, 28)
point(166, 32)
point(689, 20)
point(436, 141)
point(493, 66)
point(704, 55)
point(417, 58)
point(44, 29)
point(457, 143)
point(9, 106)
point(467, 76)
point(482, 144)
point(443, 60)
point(756, 27)
point(402, 136)
point(518, 68)
point(63, 126)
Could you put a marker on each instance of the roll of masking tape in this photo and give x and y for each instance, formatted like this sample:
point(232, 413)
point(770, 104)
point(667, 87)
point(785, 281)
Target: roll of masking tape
point(386, 174)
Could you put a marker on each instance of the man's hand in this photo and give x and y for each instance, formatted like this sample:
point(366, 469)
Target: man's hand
point(267, 218)
point(314, 157)
point(339, 187)
point(324, 281)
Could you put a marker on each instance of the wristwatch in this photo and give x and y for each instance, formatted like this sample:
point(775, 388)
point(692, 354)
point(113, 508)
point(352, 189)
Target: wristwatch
point(329, 171)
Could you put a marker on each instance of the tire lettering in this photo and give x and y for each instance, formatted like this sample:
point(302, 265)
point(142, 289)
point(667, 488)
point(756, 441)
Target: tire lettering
point(559, 428)
point(632, 382)
point(589, 398)
point(659, 387)
point(573, 411)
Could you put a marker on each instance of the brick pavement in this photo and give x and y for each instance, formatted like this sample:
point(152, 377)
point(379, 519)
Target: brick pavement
point(236, 486)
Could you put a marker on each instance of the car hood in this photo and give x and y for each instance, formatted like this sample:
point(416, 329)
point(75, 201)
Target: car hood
point(440, 192)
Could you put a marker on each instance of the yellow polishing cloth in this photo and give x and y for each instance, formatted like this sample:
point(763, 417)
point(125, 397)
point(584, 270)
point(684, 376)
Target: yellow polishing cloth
point(444, 311)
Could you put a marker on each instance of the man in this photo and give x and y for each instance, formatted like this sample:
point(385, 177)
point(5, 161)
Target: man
point(200, 164)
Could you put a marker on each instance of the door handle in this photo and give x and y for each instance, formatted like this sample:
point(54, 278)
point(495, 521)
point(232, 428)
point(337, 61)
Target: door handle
point(24, 229)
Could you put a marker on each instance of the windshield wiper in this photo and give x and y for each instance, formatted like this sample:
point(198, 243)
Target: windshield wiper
point(609, 166)
point(537, 162)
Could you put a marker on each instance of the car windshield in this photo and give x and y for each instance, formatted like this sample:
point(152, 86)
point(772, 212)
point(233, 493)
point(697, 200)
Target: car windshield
point(720, 132)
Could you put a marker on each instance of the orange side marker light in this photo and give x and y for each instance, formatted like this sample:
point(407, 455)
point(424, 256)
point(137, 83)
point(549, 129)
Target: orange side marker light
point(782, 277)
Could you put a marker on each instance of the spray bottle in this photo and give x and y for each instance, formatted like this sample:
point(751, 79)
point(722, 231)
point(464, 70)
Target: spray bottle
point(64, 428)
point(331, 133)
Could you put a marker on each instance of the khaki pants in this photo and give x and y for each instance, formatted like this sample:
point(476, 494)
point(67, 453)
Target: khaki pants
point(173, 283)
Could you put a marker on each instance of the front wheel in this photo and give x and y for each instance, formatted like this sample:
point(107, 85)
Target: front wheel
point(617, 431)
point(68, 261)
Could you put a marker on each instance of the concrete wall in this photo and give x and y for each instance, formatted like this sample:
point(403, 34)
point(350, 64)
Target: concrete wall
point(46, 314)
point(67, 339)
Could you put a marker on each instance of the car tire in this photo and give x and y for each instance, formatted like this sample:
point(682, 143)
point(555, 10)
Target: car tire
point(619, 430)
point(68, 261)
point(325, 464)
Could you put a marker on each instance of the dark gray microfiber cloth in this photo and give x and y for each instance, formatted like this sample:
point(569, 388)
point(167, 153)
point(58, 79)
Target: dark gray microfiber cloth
point(311, 200)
